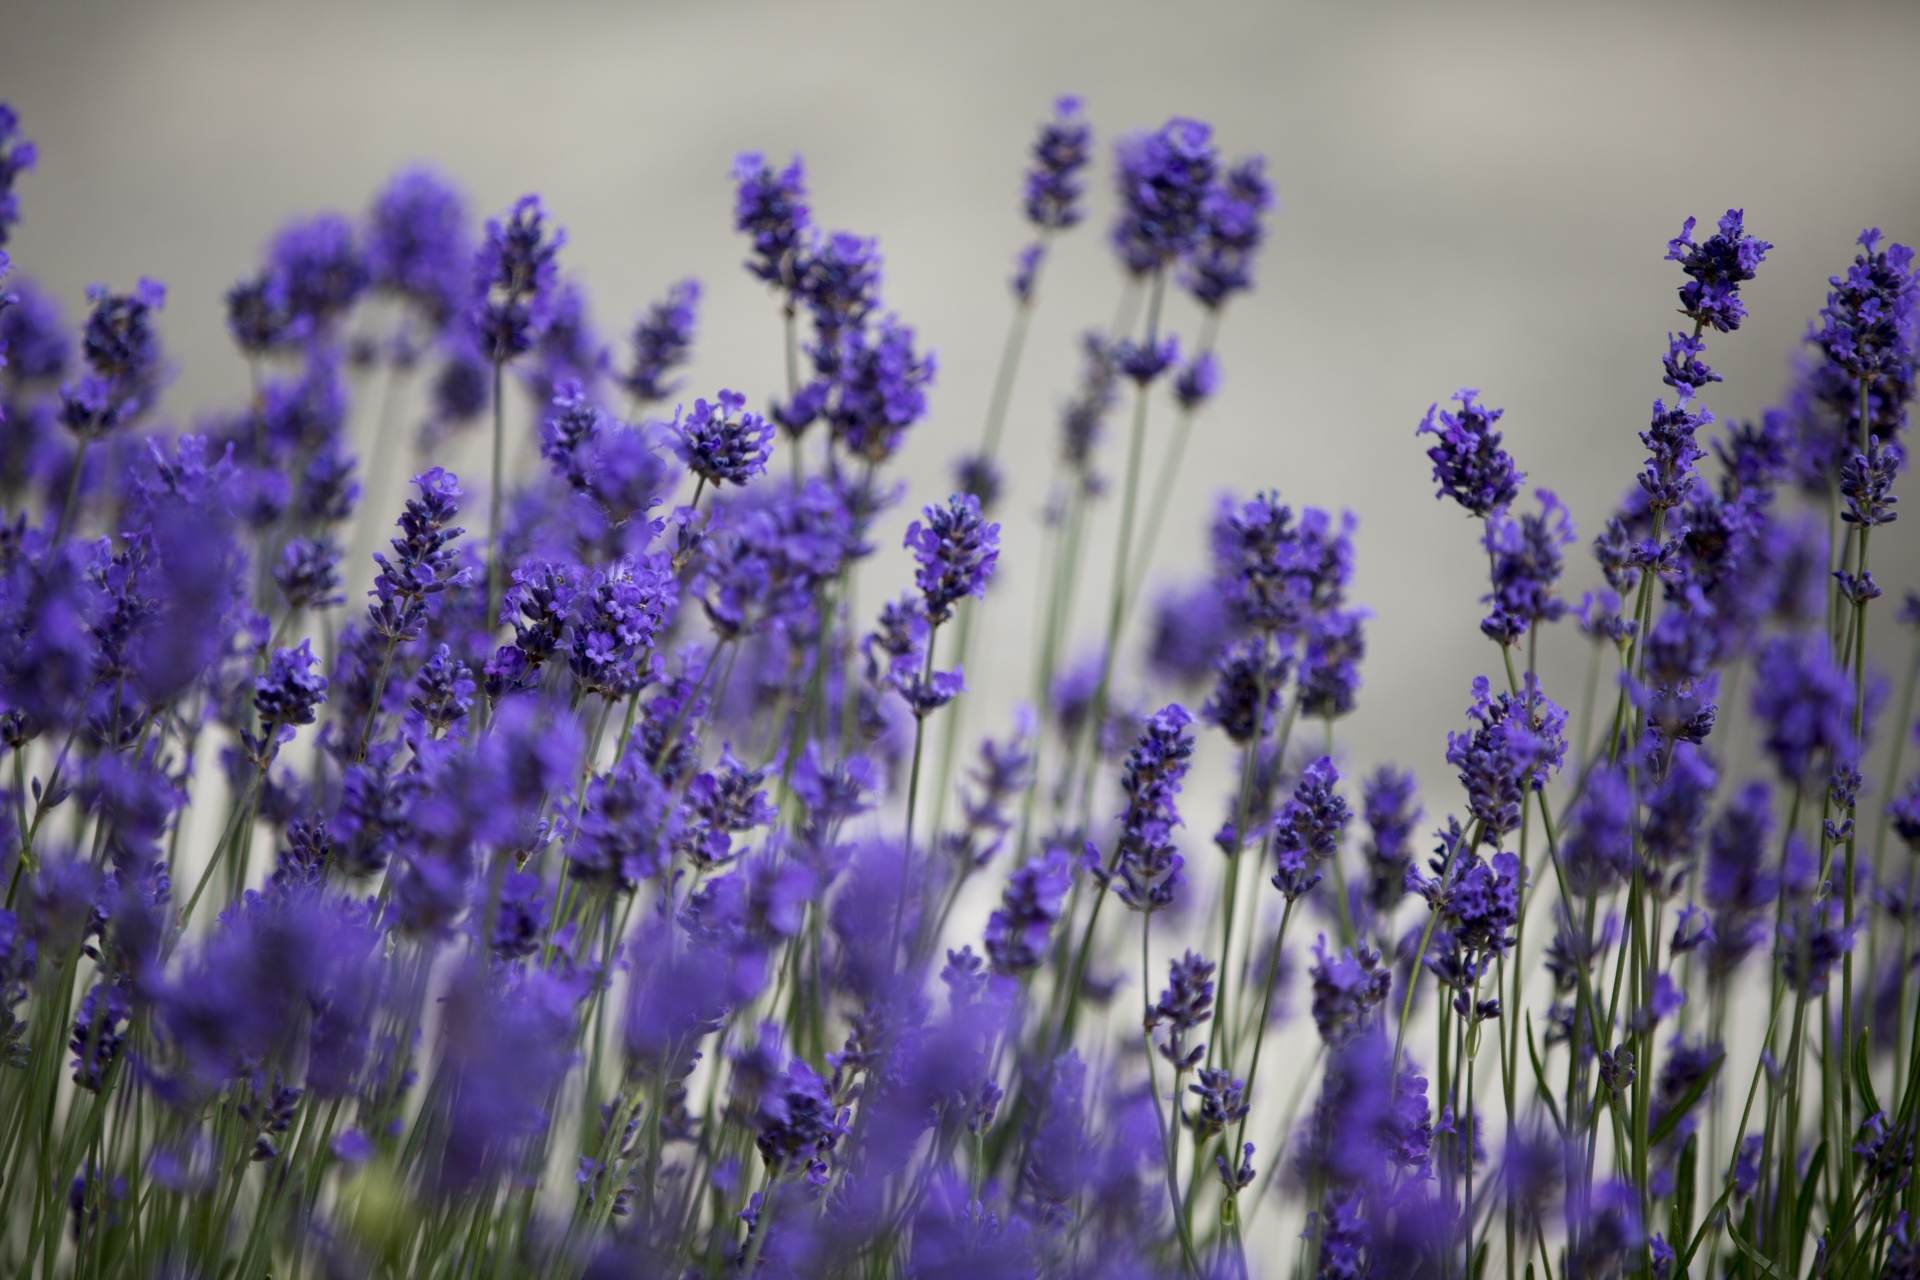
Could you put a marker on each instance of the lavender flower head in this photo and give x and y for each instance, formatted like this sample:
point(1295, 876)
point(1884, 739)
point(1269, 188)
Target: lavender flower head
point(662, 343)
point(1805, 703)
point(720, 443)
point(1185, 1004)
point(1163, 178)
point(1347, 987)
point(515, 281)
point(1717, 268)
point(956, 549)
point(1391, 810)
point(1903, 813)
point(1515, 744)
point(772, 208)
point(1053, 188)
point(286, 695)
point(1234, 213)
point(322, 269)
point(123, 360)
point(1197, 381)
point(418, 245)
point(1308, 829)
point(17, 156)
point(1016, 938)
point(1870, 327)
point(422, 565)
point(1147, 864)
point(1525, 555)
point(1468, 463)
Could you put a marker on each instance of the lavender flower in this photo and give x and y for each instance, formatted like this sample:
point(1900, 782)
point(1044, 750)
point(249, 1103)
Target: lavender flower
point(614, 623)
point(956, 550)
point(1016, 937)
point(287, 695)
point(1163, 178)
point(662, 343)
point(1516, 744)
point(422, 565)
point(1391, 813)
point(1308, 829)
point(772, 208)
point(1065, 144)
point(1805, 703)
point(17, 156)
point(1186, 1003)
point(1870, 327)
point(1347, 987)
point(1468, 463)
point(1866, 482)
point(418, 245)
point(308, 574)
point(321, 269)
point(1001, 777)
point(1235, 208)
point(123, 361)
point(1145, 861)
point(1738, 886)
point(1247, 693)
point(515, 282)
point(1197, 382)
point(1669, 476)
point(721, 444)
point(1717, 268)
point(1525, 555)
point(1330, 667)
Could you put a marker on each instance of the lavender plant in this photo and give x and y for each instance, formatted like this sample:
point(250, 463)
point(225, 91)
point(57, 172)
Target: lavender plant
point(589, 904)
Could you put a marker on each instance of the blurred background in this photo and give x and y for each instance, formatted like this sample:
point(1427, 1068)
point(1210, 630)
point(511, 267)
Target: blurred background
point(1470, 195)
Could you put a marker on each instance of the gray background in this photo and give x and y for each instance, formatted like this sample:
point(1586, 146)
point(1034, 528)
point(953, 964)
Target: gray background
point(1471, 194)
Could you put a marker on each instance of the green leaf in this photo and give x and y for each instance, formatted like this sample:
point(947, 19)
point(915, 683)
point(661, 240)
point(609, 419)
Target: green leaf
point(1680, 1224)
point(1540, 1079)
point(1751, 1253)
point(1862, 1076)
point(1678, 1111)
point(1803, 1211)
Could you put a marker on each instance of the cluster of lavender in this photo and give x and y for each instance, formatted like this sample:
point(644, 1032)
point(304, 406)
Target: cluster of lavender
point(595, 902)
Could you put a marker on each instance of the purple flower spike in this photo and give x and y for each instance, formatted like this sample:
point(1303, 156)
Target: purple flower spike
point(1164, 178)
point(720, 443)
point(515, 282)
point(1062, 150)
point(772, 208)
point(419, 247)
point(1147, 864)
point(956, 549)
point(1197, 382)
point(17, 155)
point(1805, 703)
point(1525, 554)
point(287, 695)
point(1142, 363)
point(1468, 463)
point(1308, 829)
point(1718, 267)
point(1870, 327)
point(662, 342)
point(1185, 1004)
point(1234, 214)
point(1016, 938)
point(123, 361)
point(1347, 987)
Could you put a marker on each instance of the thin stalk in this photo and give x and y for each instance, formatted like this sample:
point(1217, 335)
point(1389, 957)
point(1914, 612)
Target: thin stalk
point(1168, 1141)
point(913, 794)
point(495, 566)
